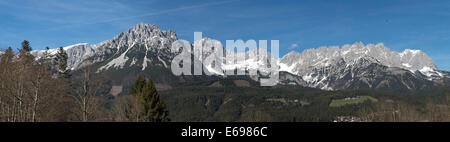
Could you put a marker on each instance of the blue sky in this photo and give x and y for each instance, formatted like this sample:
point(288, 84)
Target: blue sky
point(399, 24)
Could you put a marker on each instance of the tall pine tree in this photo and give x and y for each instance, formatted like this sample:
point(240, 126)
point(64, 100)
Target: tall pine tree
point(61, 64)
point(24, 52)
point(151, 108)
point(26, 46)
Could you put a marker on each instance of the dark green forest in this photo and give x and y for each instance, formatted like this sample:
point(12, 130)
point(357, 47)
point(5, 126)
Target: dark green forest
point(242, 104)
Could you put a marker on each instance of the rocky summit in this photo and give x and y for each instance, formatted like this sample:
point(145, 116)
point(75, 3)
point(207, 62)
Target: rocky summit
point(145, 48)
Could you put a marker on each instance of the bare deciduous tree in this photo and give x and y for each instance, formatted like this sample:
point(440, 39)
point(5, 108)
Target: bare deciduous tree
point(86, 87)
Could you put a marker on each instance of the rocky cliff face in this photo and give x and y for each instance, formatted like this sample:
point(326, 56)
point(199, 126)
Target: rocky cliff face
point(154, 41)
point(370, 66)
point(146, 48)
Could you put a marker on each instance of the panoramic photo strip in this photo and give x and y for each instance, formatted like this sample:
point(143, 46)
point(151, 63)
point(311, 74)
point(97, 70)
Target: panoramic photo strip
point(224, 69)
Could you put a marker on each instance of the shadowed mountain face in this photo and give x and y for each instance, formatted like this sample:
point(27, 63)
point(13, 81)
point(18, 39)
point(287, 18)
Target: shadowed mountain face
point(146, 49)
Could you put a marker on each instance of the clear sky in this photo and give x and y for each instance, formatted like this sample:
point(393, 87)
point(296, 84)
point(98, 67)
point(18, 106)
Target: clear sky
point(299, 25)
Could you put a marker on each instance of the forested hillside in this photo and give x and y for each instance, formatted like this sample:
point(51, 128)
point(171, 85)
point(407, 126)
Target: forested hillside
point(243, 104)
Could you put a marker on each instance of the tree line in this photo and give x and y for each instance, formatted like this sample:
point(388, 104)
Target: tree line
point(43, 89)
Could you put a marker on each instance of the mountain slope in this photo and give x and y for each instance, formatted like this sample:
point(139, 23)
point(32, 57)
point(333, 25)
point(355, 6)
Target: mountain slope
point(359, 66)
point(150, 36)
point(146, 49)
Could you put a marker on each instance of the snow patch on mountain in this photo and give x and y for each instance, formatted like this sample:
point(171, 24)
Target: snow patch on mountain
point(407, 65)
point(164, 62)
point(145, 62)
point(118, 62)
point(286, 68)
point(133, 62)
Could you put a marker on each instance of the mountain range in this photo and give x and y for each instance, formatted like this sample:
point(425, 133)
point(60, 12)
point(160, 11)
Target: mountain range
point(145, 48)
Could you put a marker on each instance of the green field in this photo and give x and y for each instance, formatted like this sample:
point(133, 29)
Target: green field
point(351, 100)
point(287, 101)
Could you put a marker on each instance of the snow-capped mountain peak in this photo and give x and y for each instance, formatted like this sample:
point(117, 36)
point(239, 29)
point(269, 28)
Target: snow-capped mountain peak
point(146, 46)
point(141, 34)
point(319, 66)
point(413, 60)
point(149, 37)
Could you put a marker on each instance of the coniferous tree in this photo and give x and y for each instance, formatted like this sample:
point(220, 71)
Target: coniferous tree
point(24, 52)
point(151, 108)
point(26, 46)
point(138, 85)
point(61, 64)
